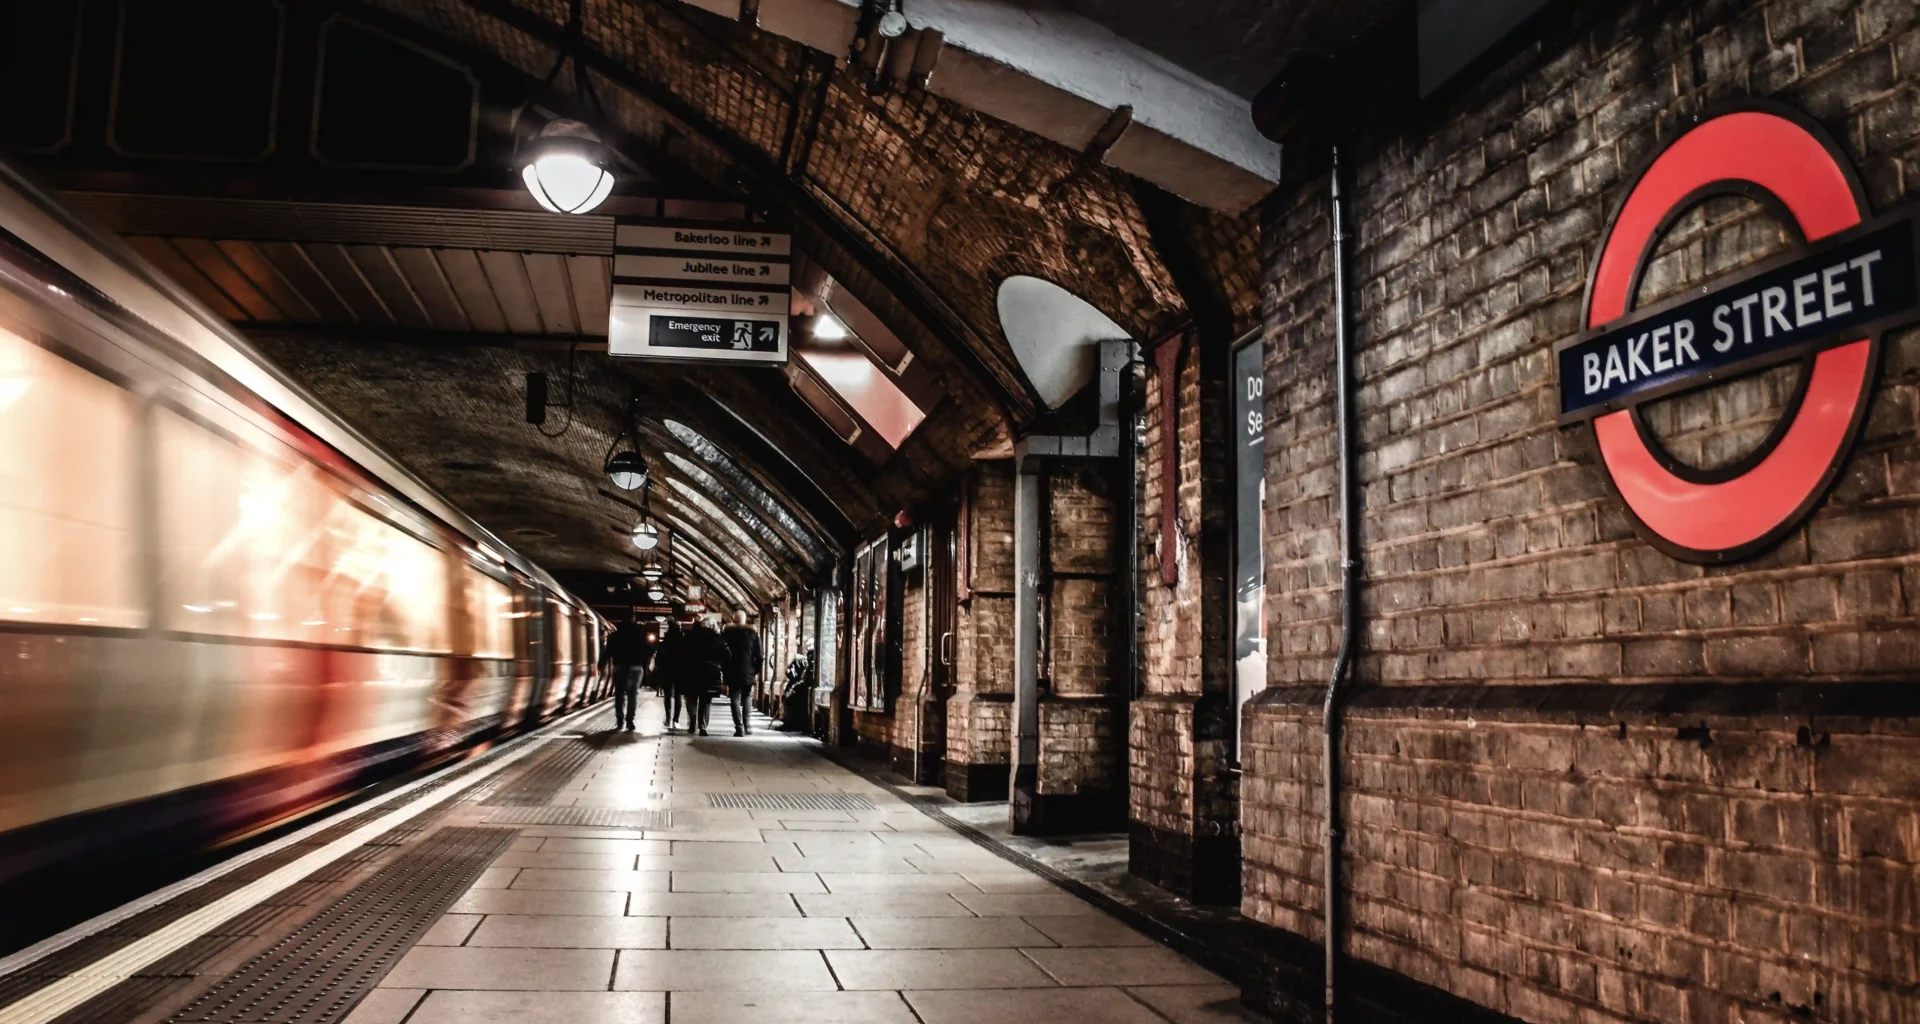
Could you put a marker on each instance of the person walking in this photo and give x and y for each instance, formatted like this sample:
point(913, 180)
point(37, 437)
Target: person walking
point(669, 670)
point(742, 669)
point(703, 657)
point(627, 653)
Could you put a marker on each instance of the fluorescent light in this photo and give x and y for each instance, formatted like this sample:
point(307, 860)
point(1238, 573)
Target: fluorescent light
point(826, 328)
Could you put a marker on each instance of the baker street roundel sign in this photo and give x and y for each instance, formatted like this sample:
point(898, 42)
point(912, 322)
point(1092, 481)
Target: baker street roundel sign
point(1824, 305)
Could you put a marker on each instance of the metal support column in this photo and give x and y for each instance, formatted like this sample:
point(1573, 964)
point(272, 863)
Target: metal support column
point(1027, 489)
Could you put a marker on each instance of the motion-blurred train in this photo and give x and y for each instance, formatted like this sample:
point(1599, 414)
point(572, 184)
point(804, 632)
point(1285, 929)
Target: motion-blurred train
point(219, 605)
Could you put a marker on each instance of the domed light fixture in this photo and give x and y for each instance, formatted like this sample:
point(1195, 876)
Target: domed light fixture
point(652, 573)
point(627, 470)
point(656, 594)
point(893, 22)
point(646, 536)
point(566, 168)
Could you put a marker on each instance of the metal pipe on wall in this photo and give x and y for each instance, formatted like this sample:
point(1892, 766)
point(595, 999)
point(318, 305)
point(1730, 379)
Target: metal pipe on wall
point(1349, 595)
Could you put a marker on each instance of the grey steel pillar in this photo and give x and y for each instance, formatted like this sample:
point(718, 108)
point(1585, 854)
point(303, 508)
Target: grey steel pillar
point(1027, 489)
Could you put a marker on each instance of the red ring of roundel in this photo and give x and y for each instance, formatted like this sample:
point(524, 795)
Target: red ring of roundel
point(1710, 522)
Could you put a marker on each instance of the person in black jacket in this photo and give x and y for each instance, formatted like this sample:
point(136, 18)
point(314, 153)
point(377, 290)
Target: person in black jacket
point(702, 657)
point(742, 669)
point(626, 654)
point(667, 671)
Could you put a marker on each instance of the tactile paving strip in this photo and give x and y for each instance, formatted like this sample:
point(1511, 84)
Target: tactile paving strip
point(116, 1005)
point(539, 784)
point(790, 801)
point(319, 972)
point(611, 817)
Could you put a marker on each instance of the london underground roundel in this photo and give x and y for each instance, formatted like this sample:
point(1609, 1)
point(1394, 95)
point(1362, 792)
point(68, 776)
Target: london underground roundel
point(1824, 305)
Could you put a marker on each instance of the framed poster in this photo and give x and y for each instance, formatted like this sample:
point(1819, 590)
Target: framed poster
point(1249, 524)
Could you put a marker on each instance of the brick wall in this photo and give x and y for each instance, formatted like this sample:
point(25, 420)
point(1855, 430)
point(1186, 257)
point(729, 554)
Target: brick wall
point(1182, 795)
point(1585, 781)
point(978, 721)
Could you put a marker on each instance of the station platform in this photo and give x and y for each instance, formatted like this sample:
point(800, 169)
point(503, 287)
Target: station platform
point(591, 876)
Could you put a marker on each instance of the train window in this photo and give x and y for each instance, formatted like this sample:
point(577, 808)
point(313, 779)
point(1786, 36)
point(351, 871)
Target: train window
point(256, 544)
point(490, 609)
point(562, 633)
point(66, 492)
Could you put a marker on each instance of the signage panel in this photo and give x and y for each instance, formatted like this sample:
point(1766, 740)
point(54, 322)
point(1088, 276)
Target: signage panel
point(701, 267)
point(700, 291)
point(645, 332)
point(702, 237)
point(698, 297)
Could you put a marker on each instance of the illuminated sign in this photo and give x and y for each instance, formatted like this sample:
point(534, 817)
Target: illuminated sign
point(1824, 305)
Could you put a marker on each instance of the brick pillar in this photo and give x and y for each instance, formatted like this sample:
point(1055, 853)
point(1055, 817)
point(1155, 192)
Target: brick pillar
point(1183, 797)
point(1079, 781)
point(978, 714)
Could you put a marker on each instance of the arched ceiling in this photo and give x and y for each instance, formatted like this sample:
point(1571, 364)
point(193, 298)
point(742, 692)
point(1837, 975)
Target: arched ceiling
point(361, 280)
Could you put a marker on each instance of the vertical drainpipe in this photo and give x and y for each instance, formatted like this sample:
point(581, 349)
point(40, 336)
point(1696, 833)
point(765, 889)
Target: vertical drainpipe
point(1349, 596)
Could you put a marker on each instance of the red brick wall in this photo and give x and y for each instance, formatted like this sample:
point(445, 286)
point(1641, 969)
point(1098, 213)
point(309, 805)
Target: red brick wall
point(1082, 724)
point(979, 730)
point(1584, 781)
point(1179, 754)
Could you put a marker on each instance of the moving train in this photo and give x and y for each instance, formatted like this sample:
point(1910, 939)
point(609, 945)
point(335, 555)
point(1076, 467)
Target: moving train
point(219, 605)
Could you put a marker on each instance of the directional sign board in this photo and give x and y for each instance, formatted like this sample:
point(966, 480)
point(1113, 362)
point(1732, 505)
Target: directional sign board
point(700, 291)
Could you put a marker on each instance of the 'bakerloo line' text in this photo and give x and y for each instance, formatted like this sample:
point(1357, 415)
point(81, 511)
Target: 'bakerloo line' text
point(1837, 290)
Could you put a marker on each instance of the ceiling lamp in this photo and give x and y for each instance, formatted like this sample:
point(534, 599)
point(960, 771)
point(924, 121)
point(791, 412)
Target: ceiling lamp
point(652, 573)
point(656, 594)
point(893, 22)
point(826, 328)
point(646, 536)
point(627, 470)
point(566, 168)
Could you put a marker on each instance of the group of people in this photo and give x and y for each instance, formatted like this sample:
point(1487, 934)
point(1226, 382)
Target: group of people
point(689, 667)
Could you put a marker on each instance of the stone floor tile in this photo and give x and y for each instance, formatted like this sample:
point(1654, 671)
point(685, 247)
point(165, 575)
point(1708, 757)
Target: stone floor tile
point(495, 878)
point(1137, 965)
point(791, 1008)
point(563, 844)
point(689, 970)
point(535, 901)
point(881, 905)
point(609, 881)
point(859, 882)
point(1004, 880)
point(948, 933)
point(496, 969)
point(1024, 904)
point(936, 968)
point(1088, 930)
point(450, 930)
point(713, 904)
point(387, 1006)
point(570, 861)
point(564, 932)
point(1052, 1006)
point(763, 933)
point(542, 1008)
point(1197, 1004)
point(745, 882)
point(867, 862)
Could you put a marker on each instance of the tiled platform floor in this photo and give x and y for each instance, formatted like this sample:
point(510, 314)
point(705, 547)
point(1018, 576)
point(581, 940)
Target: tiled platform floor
point(876, 916)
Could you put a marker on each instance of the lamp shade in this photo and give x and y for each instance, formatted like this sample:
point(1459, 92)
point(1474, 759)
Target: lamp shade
point(646, 536)
point(566, 168)
point(627, 470)
point(656, 594)
point(652, 573)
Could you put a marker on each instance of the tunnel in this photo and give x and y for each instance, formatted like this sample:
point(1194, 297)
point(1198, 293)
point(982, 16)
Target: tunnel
point(925, 511)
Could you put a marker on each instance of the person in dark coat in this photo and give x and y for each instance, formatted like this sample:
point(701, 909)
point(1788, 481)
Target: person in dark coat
point(626, 654)
point(667, 670)
point(742, 669)
point(702, 660)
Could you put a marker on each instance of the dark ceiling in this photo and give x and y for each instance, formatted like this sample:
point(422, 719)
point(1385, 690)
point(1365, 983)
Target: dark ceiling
point(365, 227)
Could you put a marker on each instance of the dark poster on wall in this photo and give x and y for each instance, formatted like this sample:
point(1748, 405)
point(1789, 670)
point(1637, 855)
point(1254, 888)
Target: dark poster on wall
point(1249, 504)
point(871, 626)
